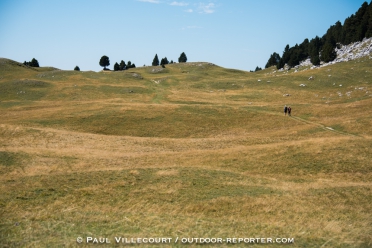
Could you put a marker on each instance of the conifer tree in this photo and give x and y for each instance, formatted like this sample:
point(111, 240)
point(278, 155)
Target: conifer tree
point(116, 66)
point(34, 63)
point(164, 61)
point(280, 64)
point(369, 21)
point(328, 53)
point(315, 60)
point(273, 60)
point(122, 65)
point(130, 65)
point(258, 68)
point(182, 58)
point(155, 61)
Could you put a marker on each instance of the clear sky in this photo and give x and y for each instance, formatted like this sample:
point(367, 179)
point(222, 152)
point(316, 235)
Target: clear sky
point(239, 34)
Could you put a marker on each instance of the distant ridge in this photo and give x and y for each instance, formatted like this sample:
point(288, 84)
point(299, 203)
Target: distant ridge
point(5, 62)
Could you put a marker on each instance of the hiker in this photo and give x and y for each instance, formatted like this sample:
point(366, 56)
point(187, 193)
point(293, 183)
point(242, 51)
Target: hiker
point(285, 109)
point(289, 110)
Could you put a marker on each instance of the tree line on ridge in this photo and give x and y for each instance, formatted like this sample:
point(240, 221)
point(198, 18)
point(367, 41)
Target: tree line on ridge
point(356, 27)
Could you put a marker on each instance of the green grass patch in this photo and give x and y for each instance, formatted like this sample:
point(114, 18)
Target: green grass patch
point(11, 161)
point(183, 121)
point(10, 104)
point(24, 90)
point(216, 85)
point(7, 158)
point(251, 96)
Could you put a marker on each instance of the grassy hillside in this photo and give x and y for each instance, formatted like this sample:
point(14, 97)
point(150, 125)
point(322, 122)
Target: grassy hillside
point(192, 150)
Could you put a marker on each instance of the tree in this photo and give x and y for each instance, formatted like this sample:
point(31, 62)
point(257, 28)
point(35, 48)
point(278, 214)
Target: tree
point(280, 64)
point(273, 60)
point(104, 61)
point(182, 58)
point(258, 68)
point(155, 61)
point(315, 60)
point(286, 54)
point(130, 65)
point(122, 65)
point(116, 66)
point(369, 21)
point(164, 61)
point(294, 58)
point(334, 34)
point(32, 63)
point(76, 68)
point(328, 53)
point(315, 46)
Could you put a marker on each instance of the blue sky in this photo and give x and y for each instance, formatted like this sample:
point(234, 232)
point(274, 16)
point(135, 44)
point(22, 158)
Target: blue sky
point(239, 34)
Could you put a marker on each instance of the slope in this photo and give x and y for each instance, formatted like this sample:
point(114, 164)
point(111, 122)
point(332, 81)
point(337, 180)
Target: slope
point(192, 150)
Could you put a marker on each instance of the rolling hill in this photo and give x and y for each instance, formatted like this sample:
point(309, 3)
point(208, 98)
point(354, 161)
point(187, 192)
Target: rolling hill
point(190, 150)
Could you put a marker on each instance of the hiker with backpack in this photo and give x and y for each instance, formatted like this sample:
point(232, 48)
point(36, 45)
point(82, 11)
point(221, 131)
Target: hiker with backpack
point(285, 109)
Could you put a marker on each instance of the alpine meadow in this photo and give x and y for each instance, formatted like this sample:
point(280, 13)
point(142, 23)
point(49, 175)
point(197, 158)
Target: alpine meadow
point(192, 154)
point(190, 150)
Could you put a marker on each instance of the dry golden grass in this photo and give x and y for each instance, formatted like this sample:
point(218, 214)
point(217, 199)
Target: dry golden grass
point(194, 150)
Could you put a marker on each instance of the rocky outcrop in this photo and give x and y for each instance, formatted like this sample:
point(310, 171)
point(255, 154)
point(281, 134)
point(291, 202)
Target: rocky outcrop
point(345, 53)
point(354, 50)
